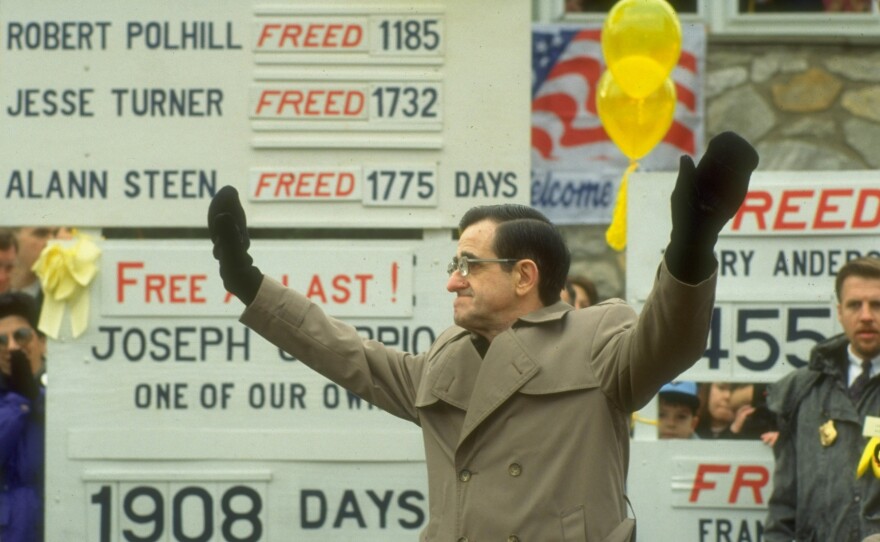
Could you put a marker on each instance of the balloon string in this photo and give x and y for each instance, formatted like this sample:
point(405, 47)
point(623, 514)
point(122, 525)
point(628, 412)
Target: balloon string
point(615, 235)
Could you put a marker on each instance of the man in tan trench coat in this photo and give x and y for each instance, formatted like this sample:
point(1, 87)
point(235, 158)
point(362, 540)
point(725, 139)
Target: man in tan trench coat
point(525, 403)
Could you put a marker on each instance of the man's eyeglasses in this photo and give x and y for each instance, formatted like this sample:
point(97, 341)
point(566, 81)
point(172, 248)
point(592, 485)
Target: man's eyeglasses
point(462, 264)
point(22, 336)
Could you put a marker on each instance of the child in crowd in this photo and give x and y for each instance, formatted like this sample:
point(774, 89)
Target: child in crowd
point(678, 406)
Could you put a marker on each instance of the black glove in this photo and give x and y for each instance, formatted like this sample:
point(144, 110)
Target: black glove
point(228, 227)
point(704, 199)
point(21, 379)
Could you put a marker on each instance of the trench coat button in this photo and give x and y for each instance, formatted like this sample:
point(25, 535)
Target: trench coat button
point(513, 538)
point(464, 476)
point(462, 539)
point(515, 469)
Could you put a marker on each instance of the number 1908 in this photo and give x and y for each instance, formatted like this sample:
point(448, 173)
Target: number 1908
point(186, 512)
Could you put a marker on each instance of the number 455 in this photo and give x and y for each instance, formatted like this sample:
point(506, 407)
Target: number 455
point(751, 325)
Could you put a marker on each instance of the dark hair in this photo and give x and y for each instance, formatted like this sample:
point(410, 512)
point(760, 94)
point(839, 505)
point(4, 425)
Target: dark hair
point(524, 233)
point(865, 267)
point(588, 286)
point(8, 239)
point(22, 305)
point(498, 214)
point(680, 399)
point(703, 389)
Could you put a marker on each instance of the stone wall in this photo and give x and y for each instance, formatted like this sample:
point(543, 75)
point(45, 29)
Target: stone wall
point(805, 107)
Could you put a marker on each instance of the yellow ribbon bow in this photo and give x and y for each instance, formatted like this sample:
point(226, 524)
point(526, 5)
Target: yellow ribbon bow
point(65, 273)
point(869, 457)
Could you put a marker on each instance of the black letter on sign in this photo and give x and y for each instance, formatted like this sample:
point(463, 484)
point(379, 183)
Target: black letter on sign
point(403, 502)
point(349, 501)
point(303, 508)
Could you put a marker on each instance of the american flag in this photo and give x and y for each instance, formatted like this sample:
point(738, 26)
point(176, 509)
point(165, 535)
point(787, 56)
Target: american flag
point(566, 131)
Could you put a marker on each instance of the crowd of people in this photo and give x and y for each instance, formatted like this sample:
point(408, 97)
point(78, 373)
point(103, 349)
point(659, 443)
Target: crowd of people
point(22, 384)
point(523, 364)
point(513, 294)
point(715, 410)
point(820, 419)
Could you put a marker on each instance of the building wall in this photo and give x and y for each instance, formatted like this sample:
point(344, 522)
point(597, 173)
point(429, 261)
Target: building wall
point(805, 107)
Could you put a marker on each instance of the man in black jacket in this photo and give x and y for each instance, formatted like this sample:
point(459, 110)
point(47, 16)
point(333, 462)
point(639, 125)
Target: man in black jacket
point(822, 408)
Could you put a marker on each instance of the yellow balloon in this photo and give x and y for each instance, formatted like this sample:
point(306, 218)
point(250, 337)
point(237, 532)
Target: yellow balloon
point(635, 125)
point(641, 43)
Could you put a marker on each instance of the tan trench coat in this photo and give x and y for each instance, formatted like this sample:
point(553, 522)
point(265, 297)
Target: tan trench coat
point(530, 444)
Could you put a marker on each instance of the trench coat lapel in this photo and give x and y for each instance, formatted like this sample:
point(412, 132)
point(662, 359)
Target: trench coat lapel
point(505, 369)
point(460, 377)
point(451, 376)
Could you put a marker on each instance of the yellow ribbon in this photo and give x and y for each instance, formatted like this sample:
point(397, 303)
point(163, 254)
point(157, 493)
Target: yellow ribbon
point(869, 457)
point(615, 235)
point(65, 273)
point(639, 419)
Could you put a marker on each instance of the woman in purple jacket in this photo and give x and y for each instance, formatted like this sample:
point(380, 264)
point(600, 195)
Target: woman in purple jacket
point(22, 415)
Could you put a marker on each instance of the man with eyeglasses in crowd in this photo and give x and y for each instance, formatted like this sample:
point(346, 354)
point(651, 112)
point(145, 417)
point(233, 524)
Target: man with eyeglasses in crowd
point(525, 403)
point(22, 419)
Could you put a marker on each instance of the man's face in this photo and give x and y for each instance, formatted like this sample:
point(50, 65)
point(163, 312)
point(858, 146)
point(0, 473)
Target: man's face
point(28, 341)
point(8, 259)
point(485, 298)
point(859, 314)
point(676, 421)
point(32, 241)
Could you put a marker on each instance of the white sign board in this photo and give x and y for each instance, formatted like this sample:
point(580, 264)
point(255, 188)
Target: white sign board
point(700, 491)
point(360, 280)
point(777, 261)
point(775, 300)
point(172, 421)
point(320, 112)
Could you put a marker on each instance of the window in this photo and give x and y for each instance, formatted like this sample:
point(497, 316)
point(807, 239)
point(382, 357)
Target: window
point(829, 20)
point(804, 6)
point(602, 6)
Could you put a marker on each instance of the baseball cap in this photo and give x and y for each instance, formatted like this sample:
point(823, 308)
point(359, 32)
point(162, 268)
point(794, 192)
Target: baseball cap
point(683, 390)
